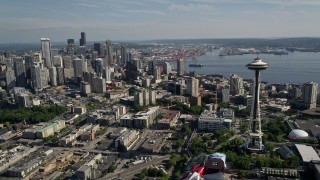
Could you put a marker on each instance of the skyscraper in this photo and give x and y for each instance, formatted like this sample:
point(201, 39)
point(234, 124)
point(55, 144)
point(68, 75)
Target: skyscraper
point(109, 54)
point(10, 79)
point(108, 72)
point(37, 58)
point(36, 77)
point(180, 67)
point(167, 68)
point(78, 67)
point(157, 73)
point(98, 84)
point(46, 51)
point(54, 52)
point(98, 66)
point(254, 142)
point(20, 73)
point(123, 54)
point(236, 85)
point(70, 42)
point(28, 61)
point(309, 94)
point(83, 39)
point(193, 86)
point(44, 72)
point(97, 47)
point(67, 62)
point(57, 61)
point(53, 76)
point(60, 75)
point(70, 47)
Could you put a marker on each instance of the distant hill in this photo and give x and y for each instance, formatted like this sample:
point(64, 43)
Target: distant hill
point(248, 42)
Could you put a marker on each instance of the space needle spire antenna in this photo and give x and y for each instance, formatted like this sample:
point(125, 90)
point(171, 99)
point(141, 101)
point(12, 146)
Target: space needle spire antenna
point(254, 142)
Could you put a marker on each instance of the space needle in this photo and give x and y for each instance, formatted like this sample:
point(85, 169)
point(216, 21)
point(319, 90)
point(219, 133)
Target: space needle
point(254, 142)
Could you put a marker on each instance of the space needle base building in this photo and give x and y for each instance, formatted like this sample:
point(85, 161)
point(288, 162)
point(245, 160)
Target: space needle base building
point(254, 141)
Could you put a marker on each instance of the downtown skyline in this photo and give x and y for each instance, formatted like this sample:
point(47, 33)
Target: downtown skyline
point(156, 19)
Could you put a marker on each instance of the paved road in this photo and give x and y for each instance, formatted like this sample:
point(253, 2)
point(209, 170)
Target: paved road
point(84, 150)
point(126, 173)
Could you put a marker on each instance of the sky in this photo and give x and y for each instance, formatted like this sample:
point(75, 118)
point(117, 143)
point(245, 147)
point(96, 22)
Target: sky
point(120, 20)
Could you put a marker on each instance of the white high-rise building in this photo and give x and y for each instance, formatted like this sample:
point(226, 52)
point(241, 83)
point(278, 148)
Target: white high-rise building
point(180, 67)
point(193, 86)
point(145, 97)
point(157, 73)
point(309, 94)
point(138, 98)
point(67, 62)
point(46, 51)
point(44, 77)
point(167, 68)
point(152, 97)
point(236, 85)
point(37, 58)
point(53, 76)
point(108, 72)
point(57, 61)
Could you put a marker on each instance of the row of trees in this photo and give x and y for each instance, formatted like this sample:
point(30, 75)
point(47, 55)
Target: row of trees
point(32, 115)
point(196, 110)
point(244, 162)
point(153, 172)
point(179, 164)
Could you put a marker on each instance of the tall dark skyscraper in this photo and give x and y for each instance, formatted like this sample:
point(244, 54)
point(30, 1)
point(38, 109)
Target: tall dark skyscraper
point(71, 47)
point(109, 54)
point(19, 71)
point(83, 39)
point(70, 41)
point(97, 47)
point(28, 61)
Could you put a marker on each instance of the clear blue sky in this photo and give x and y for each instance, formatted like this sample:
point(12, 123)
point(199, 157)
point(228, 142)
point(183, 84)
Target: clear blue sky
point(29, 20)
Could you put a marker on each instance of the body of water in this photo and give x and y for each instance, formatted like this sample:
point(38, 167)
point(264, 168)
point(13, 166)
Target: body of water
point(296, 67)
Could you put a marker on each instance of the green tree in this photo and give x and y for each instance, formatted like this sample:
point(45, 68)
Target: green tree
point(244, 127)
point(179, 143)
point(293, 162)
point(186, 129)
point(206, 138)
point(241, 174)
point(112, 168)
point(7, 124)
point(269, 147)
point(275, 162)
point(197, 146)
point(242, 162)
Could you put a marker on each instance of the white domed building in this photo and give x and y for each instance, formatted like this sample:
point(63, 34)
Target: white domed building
point(297, 134)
